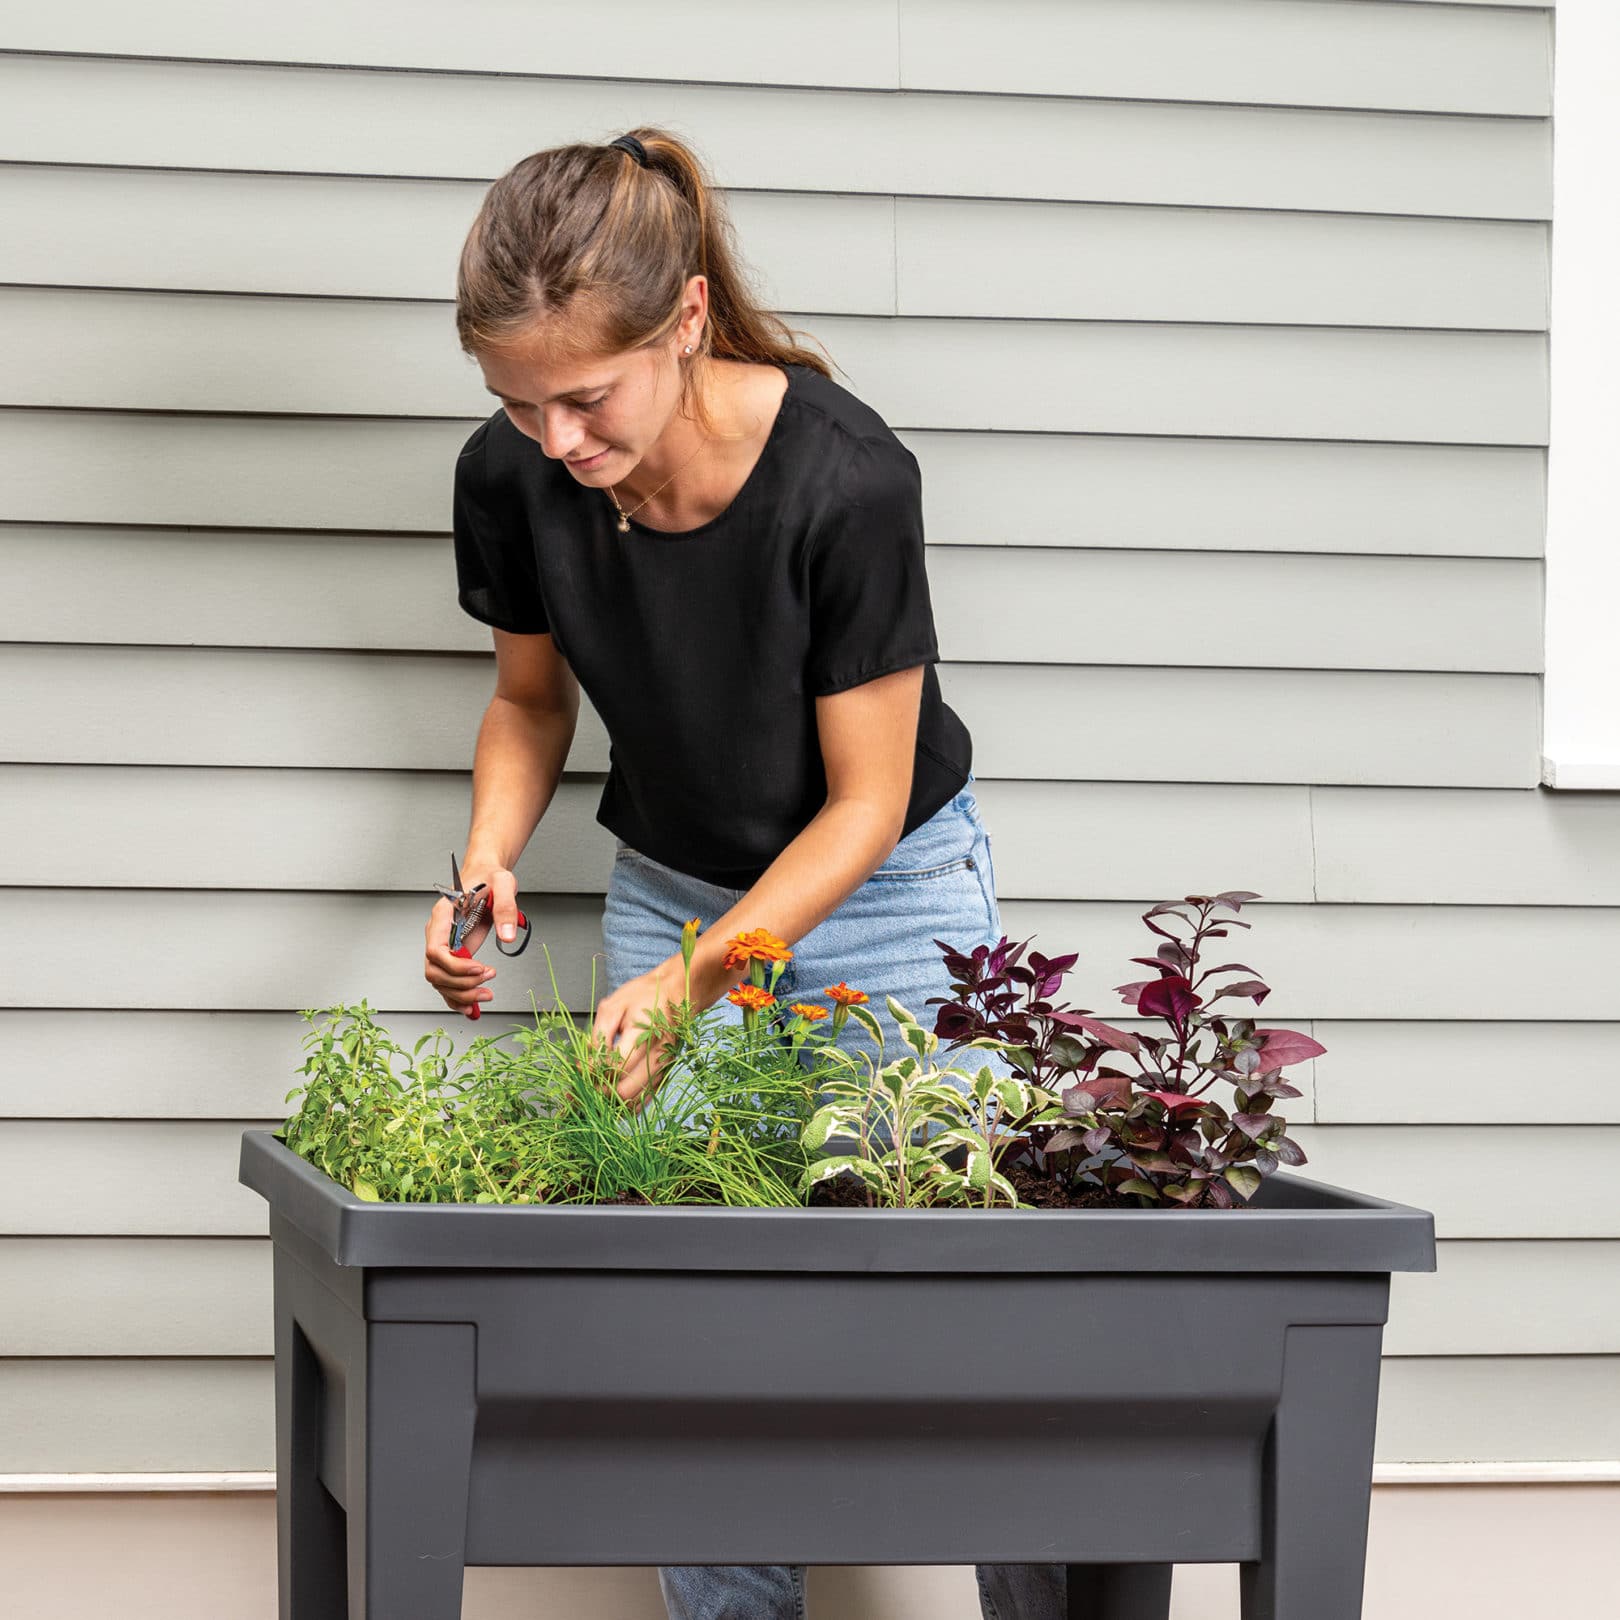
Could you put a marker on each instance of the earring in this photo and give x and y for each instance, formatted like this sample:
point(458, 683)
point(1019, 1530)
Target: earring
point(688, 348)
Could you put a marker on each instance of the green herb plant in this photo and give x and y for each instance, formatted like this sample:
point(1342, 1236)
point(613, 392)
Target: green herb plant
point(918, 1138)
point(394, 1124)
point(539, 1121)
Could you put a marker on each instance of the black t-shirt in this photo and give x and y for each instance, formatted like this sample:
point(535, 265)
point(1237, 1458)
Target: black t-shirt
point(703, 651)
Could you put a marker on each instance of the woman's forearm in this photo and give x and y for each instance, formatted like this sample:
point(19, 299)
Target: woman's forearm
point(517, 764)
point(832, 857)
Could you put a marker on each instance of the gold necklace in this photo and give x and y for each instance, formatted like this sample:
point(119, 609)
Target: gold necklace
point(624, 516)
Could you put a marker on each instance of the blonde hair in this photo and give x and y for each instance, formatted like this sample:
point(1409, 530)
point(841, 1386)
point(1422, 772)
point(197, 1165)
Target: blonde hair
point(584, 239)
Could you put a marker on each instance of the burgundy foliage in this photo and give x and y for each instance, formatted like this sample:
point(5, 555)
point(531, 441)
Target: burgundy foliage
point(1162, 1134)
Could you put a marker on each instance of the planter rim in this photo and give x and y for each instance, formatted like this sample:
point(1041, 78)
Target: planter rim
point(1301, 1225)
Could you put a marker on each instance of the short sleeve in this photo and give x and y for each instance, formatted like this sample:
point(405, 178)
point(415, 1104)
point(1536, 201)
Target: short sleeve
point(870, 612)
point(497, 574)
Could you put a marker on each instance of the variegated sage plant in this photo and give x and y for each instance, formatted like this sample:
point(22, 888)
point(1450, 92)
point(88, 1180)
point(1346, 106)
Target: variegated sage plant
point(919, 1138)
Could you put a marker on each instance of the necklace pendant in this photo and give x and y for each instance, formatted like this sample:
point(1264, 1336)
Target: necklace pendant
point(624, 524)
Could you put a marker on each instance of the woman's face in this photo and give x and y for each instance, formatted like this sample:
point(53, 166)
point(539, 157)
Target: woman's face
point(598, 417)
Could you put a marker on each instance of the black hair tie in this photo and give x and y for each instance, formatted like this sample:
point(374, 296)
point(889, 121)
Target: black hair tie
point(634, 147)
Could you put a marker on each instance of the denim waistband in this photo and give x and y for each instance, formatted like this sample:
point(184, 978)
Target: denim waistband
point(952, 829)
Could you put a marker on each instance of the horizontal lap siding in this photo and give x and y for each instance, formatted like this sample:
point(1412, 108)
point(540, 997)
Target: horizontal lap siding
point(108, 826)
point(1259, 359)
point(214, 1414)
point(190, 1063)
point(368, 237)
point(419, 711)
point(295, 949)
point(1361, 55)
point(299, 120)
point(94, 350)
point(1332, 612)
point(1010, 488)
point(179, 1176)
point(210, 1296)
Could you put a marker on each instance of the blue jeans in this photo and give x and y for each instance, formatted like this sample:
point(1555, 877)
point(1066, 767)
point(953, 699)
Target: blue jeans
point(938, 882)
point(776, 1591)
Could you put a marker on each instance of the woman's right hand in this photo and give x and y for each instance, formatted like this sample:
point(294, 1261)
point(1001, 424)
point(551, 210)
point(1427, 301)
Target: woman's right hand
point(463, 980)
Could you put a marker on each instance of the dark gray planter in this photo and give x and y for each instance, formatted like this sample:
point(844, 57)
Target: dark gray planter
point(1124, 1391)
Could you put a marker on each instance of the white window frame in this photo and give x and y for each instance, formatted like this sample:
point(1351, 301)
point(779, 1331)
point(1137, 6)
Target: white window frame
point(1581, 629)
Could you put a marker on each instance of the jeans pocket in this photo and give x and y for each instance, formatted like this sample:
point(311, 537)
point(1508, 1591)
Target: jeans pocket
point(944, 843)
point(962, 863)
point(987, 880)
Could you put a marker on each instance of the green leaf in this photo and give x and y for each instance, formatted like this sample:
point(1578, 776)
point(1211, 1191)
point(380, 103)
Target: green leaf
point(836, 1164)
point(825, 1121)
point(1068, 1052)
point(1005, 1188)
point(1135, 1184)
point(978, 1169)
point(1245, 1178)
point(1013, 1096)
point(819, 1129)
point(867, 1019)
point(364, 1189)
point(899, 1013)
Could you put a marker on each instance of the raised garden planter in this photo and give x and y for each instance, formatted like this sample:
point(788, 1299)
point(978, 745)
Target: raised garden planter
point(1118, 1390)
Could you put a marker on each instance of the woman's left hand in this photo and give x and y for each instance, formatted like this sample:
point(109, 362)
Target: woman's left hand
point(620, 1017)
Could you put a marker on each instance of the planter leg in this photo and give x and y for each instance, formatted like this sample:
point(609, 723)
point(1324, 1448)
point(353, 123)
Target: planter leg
point(1318, 1479)
point(408, 1497)
point(311, 1529)
point(1119, 1591)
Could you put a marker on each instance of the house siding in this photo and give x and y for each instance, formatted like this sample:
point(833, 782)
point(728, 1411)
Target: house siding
point(1234, 455)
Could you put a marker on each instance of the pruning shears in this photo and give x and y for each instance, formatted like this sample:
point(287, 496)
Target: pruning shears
point(471, 905)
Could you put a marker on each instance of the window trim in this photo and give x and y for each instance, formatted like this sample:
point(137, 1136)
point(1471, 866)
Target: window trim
point(1580, 745)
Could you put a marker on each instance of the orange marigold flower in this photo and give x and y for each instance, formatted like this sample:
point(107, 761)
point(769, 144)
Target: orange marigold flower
point(755, 945)
point(754, 997)
point(806, 1011)
point(844, 996)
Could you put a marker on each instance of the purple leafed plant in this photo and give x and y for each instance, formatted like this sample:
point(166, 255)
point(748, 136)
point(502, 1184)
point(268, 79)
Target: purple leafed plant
point(1161, 1135)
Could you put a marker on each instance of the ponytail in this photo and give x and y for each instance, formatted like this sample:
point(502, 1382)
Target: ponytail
point(584, 239)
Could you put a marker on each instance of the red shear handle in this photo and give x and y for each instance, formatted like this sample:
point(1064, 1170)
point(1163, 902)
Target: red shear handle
point(475, 1011)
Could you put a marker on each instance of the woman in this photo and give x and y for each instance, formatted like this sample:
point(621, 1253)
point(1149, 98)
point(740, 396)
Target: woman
point(678, 509)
